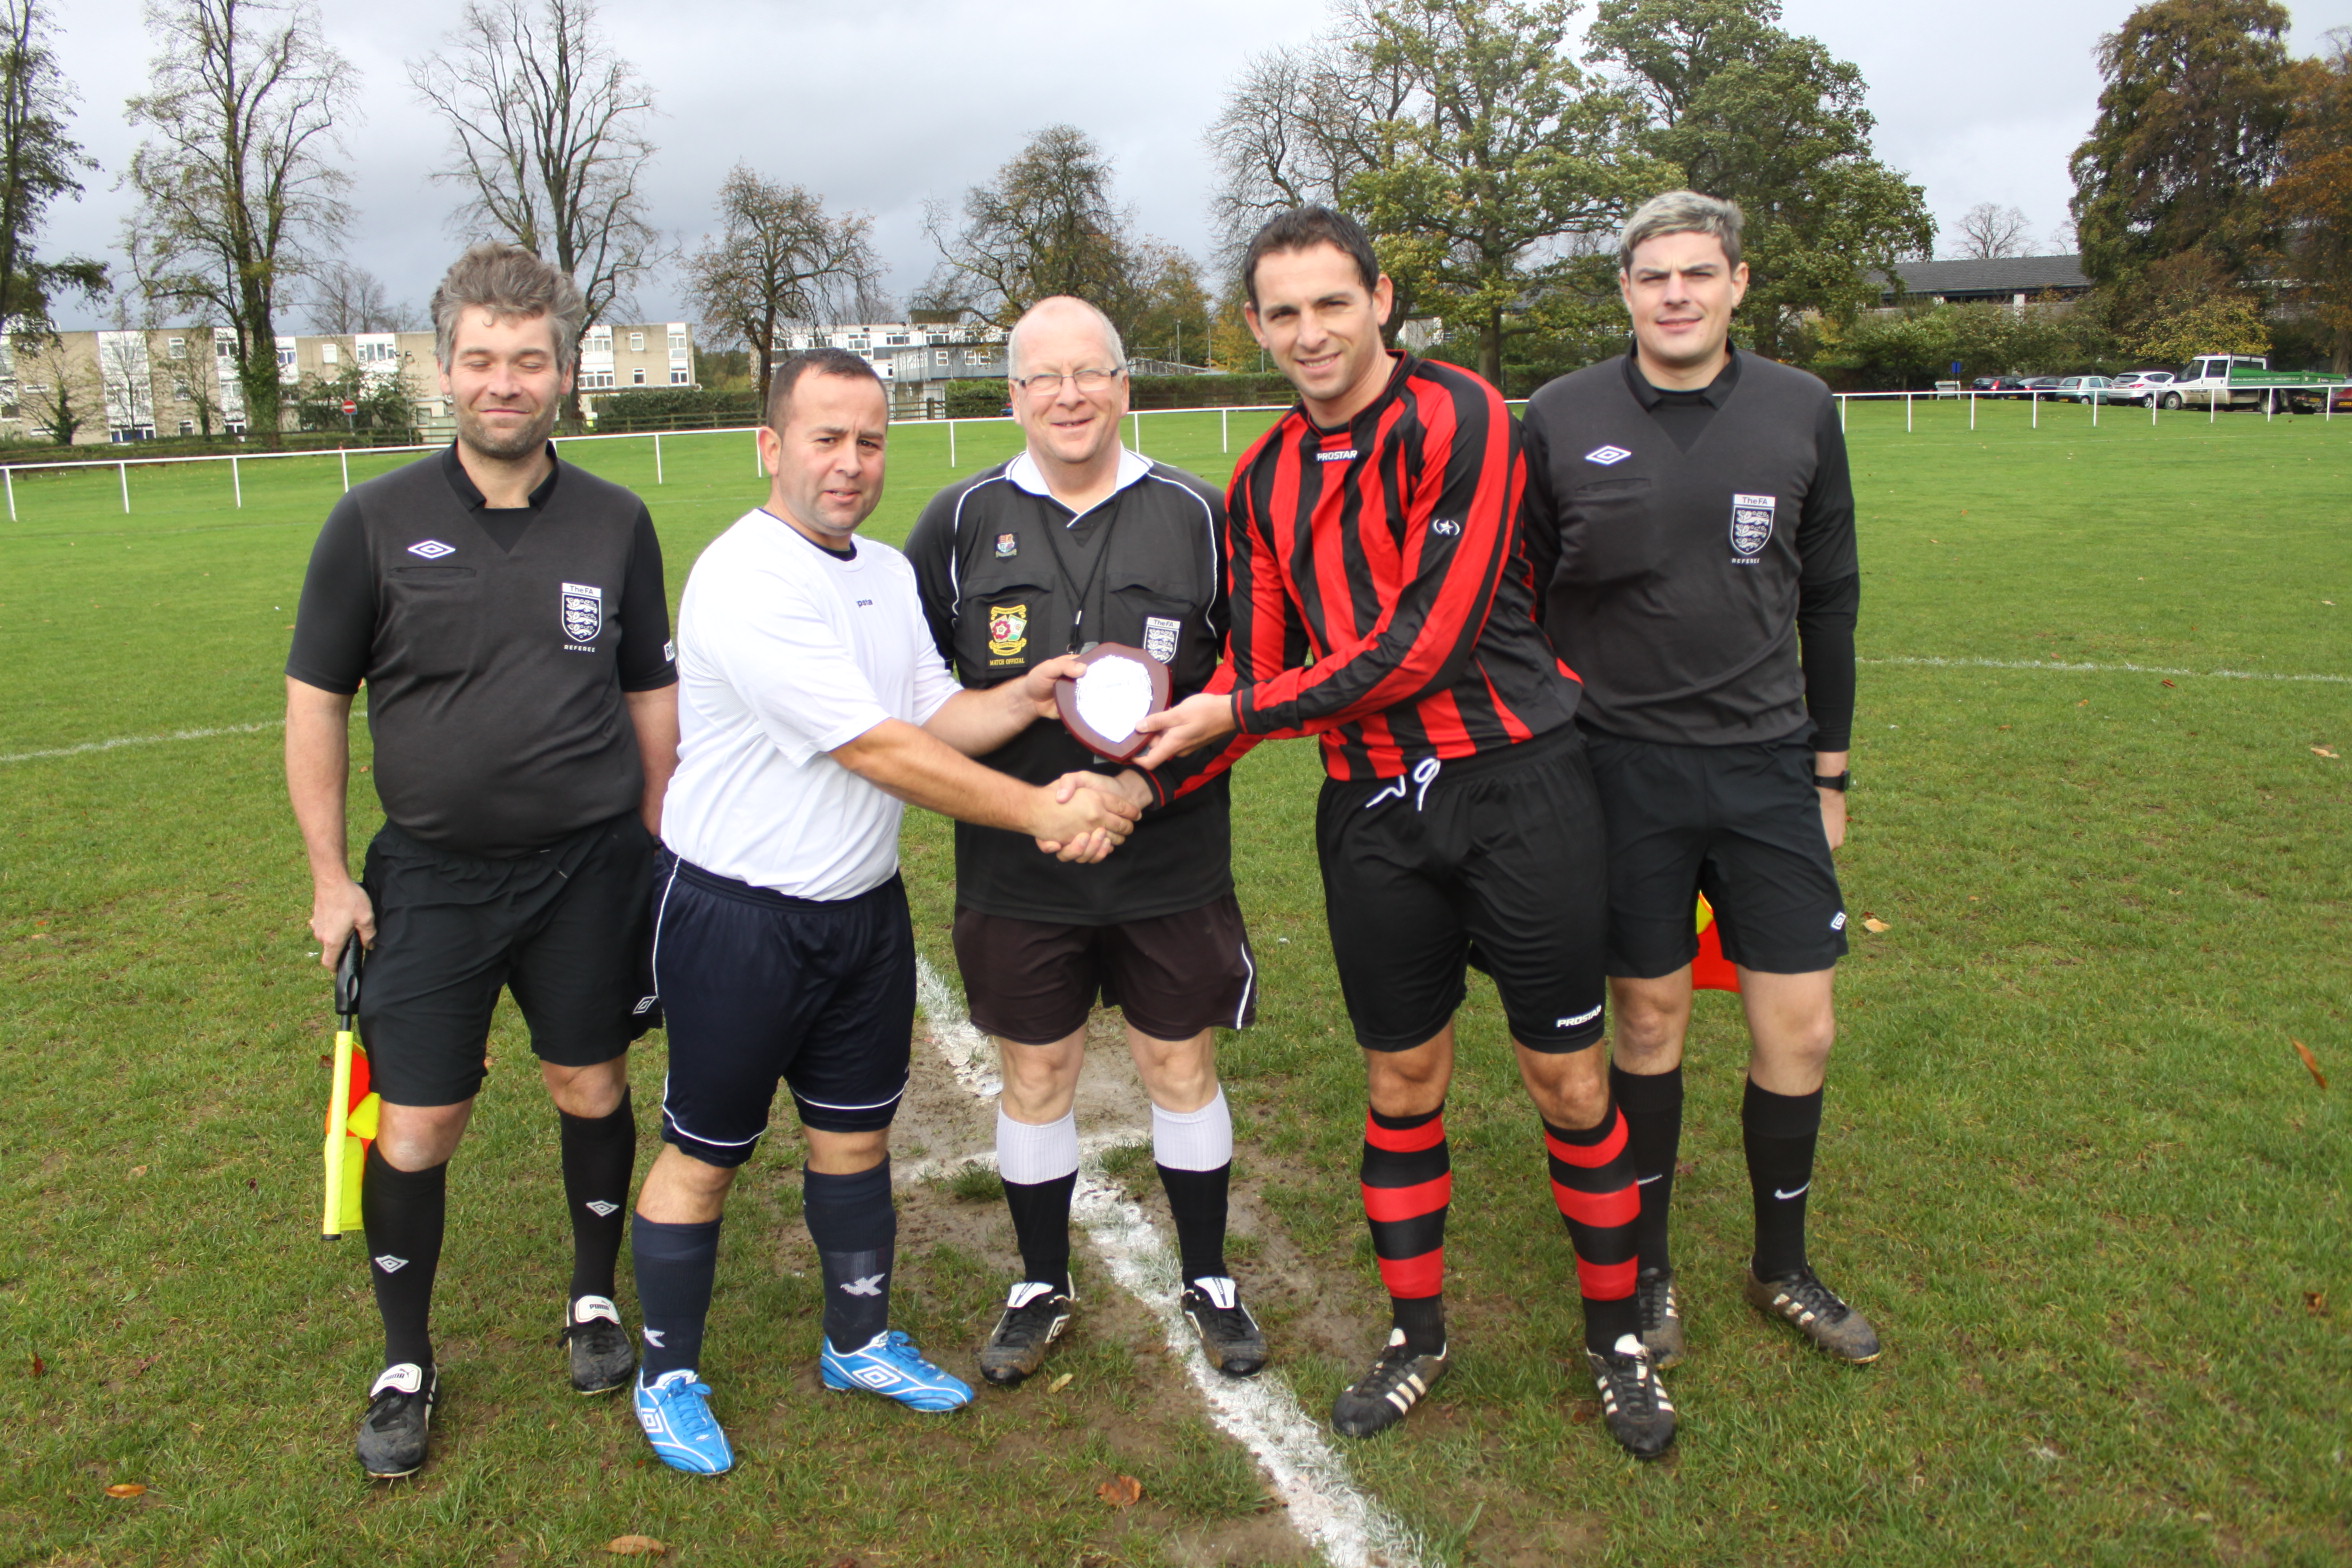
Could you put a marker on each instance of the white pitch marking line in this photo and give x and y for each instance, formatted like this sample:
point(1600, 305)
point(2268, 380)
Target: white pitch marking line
point(1263, 1415)
point(2109, 669)
point(144, 740)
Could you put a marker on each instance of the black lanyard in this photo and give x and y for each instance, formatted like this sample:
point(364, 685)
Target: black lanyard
point(1053, 544)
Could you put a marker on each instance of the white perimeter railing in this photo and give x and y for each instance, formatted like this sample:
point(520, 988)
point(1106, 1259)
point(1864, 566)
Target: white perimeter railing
point(236, 460)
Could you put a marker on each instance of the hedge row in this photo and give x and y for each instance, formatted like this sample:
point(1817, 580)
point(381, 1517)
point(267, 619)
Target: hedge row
point(675, 408)
point(978, 399)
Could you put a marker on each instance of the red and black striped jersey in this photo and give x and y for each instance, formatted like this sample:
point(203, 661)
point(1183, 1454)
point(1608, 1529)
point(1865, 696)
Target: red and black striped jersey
point(1380, 597)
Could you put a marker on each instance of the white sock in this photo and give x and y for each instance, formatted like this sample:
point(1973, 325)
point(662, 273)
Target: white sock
point(1199, 1140)
point(1028, 1154)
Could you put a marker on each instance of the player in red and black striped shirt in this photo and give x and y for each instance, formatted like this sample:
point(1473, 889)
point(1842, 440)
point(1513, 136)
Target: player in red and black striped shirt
point(1381, 601)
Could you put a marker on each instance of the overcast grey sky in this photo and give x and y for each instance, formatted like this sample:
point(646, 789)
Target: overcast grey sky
point(881, 104)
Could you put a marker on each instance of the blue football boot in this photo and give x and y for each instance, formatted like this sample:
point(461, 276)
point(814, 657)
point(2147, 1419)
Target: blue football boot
point(890, 1365)
point(675, 1412)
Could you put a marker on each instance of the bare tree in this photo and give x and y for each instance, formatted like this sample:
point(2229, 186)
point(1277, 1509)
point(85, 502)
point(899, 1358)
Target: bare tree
point(780, 259)
point(546, 126)
point(38, 164)
point(345, 299)
point(1988, 232)
point(235, 189)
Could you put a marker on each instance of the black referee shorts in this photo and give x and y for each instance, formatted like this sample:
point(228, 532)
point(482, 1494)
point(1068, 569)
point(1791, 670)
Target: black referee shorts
point(565, 929)
point(1741, 824)
point(760, 987)
point(1494, 860)
point(1171, 976)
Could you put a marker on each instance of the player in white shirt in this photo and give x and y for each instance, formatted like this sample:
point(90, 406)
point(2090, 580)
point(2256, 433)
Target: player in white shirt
point(812, 703)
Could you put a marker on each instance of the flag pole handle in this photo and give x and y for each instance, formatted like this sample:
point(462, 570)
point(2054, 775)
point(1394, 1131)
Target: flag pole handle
point(339, 1090)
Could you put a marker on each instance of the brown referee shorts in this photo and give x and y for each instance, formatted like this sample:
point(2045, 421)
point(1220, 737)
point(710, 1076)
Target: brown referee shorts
point(1033, 983)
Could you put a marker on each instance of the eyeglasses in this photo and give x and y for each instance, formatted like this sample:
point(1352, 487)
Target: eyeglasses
point(1048, 383)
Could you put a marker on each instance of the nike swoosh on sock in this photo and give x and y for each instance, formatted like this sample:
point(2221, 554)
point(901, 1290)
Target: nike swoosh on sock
point(1799, 1193)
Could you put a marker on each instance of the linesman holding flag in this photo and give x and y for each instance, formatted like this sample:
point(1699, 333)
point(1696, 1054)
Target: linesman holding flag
point(1690, 519)
point(506, 613)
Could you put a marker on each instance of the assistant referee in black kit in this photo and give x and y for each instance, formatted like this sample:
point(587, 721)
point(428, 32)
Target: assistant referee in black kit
point(506, 613)
point(1690, 519)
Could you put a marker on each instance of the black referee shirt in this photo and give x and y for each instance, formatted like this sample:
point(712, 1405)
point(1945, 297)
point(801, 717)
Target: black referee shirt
point(1682, 540)
point(495, 645)
point(1010, 578)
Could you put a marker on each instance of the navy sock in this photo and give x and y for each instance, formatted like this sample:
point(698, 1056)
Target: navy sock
point(851, 1220)
point(675, 1267)
point(403, 1213)
point(1652, 1103)
point(599, 1154)
point(1780, 1131)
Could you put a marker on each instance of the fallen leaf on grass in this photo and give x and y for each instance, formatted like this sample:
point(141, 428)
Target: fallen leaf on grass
point(126, 1489)
point(2322, 751)
point(1122, 1491)
point(2310, 1063)
point(635, 1546)
point(40, 1367)
point(1874, 925)
point(2168, 683)
point(1060, 1383)
point(2315, 1303)
point(138, 1170)
point(1582, 1412)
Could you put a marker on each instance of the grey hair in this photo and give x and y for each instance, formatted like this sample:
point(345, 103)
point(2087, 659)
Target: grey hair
point(510, 283)
point(1682, 212)
point(1110, 333)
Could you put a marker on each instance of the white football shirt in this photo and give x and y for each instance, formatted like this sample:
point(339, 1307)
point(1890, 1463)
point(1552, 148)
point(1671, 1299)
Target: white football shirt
point(786, 652)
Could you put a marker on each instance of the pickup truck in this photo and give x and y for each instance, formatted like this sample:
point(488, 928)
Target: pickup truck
point(2247, 381)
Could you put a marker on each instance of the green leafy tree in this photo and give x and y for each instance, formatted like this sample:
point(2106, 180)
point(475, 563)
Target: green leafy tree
point(1045, 225)
point(2312, 198)
point(383, 402)
point(1507, 162)
point(1170, 311)
point(235, 187)
point(39, 162)
point(2191, 130)
point(781, 258)
point(1776, 123)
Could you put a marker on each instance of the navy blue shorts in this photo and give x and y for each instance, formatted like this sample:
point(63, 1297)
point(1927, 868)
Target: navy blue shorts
point(760, 987)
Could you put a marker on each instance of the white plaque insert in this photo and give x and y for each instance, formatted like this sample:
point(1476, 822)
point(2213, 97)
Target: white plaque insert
point(1113, 695)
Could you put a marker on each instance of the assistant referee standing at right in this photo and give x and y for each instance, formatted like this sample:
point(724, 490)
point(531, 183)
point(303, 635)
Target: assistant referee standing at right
point(1690, 521)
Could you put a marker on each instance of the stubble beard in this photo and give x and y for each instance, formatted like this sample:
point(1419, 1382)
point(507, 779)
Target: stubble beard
point(476, 435)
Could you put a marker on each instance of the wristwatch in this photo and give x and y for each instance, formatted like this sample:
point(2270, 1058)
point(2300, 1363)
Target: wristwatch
point(1838, 782)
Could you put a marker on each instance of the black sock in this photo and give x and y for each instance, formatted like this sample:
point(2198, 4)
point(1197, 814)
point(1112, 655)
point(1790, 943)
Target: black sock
point(599, 1155)
point(675, 1266)
point(851, 1220)
point(1780, 1131)
point(1196, 1199)
point(1408, 1183)
point(1652, 1103)
point(1041, 1224)
point(403, 1212)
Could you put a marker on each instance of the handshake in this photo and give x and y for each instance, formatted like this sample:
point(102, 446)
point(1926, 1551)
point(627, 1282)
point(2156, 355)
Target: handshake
point(1083, 816)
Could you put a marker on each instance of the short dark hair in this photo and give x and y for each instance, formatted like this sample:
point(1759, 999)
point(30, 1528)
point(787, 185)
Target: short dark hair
point(1304, 228)
point(808, 362)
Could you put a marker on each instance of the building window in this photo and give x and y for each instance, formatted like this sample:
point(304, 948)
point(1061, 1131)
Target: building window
point(285, 358)
point(637, 376)
point(330, 354)
point(636, 342)
point(187, 427)
point(677, 342)
point(177, 348)
point(678, 378)
point(180, 390)
point(895, 340)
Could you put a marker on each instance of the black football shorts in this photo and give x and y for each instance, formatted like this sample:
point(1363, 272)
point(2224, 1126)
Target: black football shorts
point(1741, 824)
point(1493, 860)
point(565, 929)
point(1171, 976)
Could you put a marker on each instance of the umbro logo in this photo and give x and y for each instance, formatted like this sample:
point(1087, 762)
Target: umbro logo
point(644, 1005)
point(432, 549)
point(869, 1285)
point(1838, 923)
point(390, 1264)
point(601, 1209)
point(1606, 455)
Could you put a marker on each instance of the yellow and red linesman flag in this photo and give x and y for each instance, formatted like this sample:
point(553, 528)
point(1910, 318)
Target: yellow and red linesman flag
point(1711, 971)
point(352, 1104)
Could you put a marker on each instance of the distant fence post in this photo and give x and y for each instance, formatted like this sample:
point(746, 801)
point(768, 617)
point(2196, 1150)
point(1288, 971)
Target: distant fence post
point(1906, 413)
point(2037, 410)
point(1137, 416)
point(1225, 431)
point(951, 443)
point(123, 471)
point(657, 469)
point(1972, 409)
point(8, 476)
point(236, 482)
point(2094, 408)
point(343, 452)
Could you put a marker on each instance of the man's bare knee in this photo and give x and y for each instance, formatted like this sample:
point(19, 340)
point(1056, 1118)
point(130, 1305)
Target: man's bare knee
point(592, 1092)
point(1570, 1088)
point(1041, 1081)
point(419, 1137)
point(1180, 1075)
point(1411, 1082)
point(1652, 1019)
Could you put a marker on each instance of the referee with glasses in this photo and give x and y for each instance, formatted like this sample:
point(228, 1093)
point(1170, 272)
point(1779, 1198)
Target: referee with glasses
point(1078, 541)
point(1690, 520)
point(505, 611)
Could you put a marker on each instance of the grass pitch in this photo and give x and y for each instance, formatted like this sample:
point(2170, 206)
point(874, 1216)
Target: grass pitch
point(2073, 1165)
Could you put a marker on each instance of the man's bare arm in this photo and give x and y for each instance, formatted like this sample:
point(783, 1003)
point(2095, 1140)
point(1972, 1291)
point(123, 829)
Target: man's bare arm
point(979, 719)
point(654, 714)
point(318, 777)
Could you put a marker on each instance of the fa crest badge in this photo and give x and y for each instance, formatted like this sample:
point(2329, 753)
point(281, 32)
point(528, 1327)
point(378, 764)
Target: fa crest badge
point(583, 611)
point(1159, 637)
point(1751, 523)
point(1007, 546)
point(1008, 632)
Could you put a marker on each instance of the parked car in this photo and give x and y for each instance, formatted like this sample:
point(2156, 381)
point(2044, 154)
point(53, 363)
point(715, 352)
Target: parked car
point(2083, 389)
point(2044, 385)
point(2139, 386)
point(2000, 386)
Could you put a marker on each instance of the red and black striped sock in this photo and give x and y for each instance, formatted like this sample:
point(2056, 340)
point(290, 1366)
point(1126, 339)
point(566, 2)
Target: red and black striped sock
point(1592, 1182)
point(1408, 1181)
